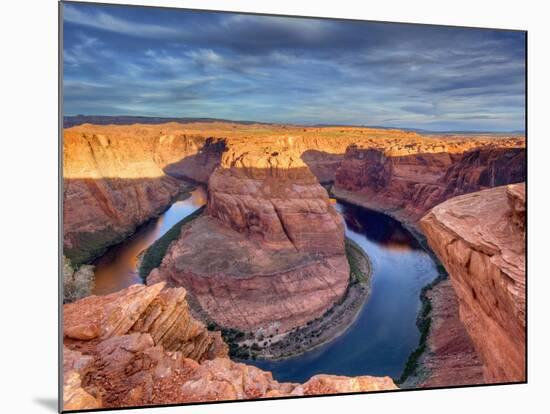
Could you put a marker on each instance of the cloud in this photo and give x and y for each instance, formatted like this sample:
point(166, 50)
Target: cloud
point(163, 62)
point(104, 21)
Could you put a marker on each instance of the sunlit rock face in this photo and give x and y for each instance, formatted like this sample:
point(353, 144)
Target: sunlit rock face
point(407, 186)
point(269, 253)
point(140, 346)
point(480, 238)
point(270, 195)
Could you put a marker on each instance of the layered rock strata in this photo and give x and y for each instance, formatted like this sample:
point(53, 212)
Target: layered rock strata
point(480, 238)
point(407, 186)
point(270, 251)
point(118, 176)
point(140, 346)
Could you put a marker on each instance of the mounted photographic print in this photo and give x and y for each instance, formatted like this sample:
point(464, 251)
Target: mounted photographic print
point(259, 206)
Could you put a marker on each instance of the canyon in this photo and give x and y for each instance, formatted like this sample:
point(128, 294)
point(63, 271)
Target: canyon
point(117, 177)
point(268, 254)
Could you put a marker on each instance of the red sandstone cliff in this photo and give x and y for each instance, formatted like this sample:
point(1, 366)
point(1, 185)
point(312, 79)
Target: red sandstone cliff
point(140, 346)
point(118, 176)
point(480, 238)
point(407, 186)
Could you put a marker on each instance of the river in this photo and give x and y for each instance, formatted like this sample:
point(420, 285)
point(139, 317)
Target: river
point(383, 335)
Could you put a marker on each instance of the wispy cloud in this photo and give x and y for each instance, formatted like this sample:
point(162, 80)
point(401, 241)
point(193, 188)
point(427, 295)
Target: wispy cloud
point(104, 21)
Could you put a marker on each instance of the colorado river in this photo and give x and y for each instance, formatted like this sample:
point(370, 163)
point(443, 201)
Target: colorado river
point(383, 335)
point(117, 268)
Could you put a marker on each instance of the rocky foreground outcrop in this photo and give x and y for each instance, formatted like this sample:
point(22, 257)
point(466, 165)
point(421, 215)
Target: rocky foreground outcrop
point(140, 346)
point(407, 186)
point(269, 253)
point(480, 238)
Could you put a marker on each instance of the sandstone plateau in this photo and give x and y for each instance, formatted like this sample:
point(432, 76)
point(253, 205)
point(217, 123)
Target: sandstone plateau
point(140, 346)
point(480, 238)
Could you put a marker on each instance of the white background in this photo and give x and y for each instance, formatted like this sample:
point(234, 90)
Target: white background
point(28, 235)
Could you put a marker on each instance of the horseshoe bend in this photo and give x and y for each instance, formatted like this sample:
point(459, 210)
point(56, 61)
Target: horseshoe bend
point(293, 234)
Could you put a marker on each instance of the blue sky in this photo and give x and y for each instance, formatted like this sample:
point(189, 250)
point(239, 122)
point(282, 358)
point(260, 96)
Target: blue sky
point(176, 63)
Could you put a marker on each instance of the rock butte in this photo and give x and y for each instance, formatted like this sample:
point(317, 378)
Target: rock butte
point(480, 238)
point(270, 251)
point(140, 346)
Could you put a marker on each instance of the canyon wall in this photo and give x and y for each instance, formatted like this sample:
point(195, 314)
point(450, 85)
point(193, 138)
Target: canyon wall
point(140, 346)
point(114, 180)
point(118, 176)
point(449, 357)
point(270, 251)
point(480, 238)
point(407, 186)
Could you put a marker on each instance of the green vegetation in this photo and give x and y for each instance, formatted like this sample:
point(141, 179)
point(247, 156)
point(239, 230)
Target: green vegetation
point(232, 337)
point(77, 283)
point(152, 257)
point(91, 245)
point(359, 263)
point(424, 323)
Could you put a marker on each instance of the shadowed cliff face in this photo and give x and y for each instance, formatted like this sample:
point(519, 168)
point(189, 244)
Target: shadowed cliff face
point(270, 252)
point(480, 238)
point(409, 185)
point(140, 346)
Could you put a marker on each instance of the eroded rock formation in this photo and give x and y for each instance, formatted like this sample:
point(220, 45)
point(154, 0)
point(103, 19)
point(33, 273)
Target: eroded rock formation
point(270, 251)
point(140, 346)
point(450, 358)
point(480, 238)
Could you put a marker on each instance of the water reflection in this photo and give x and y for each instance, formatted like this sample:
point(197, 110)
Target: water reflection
point(384, 334)
point(117, 268)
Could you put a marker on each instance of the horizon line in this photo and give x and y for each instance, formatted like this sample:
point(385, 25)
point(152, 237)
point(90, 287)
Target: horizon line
point(310, 125)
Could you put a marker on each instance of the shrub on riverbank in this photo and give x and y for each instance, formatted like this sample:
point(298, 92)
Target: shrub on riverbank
point(359, 263)
point(152, 257)
point(424, 323)
point(77, 283)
